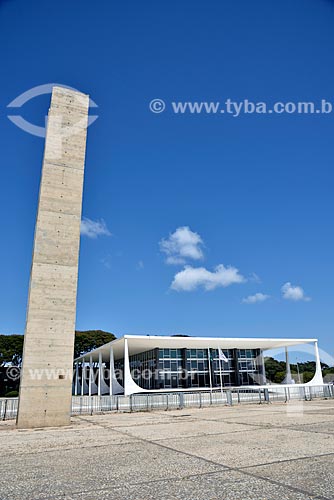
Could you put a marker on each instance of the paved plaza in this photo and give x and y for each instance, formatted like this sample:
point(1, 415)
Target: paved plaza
point(250, 452)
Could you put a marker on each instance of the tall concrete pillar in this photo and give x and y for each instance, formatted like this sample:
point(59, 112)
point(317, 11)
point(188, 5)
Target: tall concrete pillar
point(45, 391)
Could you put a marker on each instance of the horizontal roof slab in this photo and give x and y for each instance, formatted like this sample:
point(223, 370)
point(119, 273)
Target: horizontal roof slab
point(140, 343)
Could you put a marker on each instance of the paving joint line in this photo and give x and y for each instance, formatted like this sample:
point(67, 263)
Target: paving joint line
point(278, 462)
point(286, 427)
point(136, 483)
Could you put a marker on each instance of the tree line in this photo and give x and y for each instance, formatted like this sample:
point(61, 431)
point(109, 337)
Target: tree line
point(11, 352)
point(301, 372)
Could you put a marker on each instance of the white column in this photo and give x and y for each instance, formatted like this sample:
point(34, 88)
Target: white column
point(288, 378)
point(220, 372)
point(82, 376)
point(100, 374)
point(76, 379)
point(90, 375)
point(111, 371)
point(264, 378)
point(209, 366)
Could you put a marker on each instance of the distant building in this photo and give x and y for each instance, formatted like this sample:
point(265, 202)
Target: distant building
point(134, 364)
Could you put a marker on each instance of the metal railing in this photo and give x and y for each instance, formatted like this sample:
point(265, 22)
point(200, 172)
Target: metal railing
point(8, 408)
point(178, 400)
point(198, 399)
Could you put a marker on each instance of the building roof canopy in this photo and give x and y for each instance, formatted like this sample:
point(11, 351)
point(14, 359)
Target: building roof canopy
point(141, 343)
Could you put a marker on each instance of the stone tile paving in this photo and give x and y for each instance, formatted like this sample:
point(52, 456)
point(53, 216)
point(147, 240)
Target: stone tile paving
point(253, 452)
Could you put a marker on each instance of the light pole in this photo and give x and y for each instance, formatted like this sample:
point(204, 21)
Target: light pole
point(299, 381)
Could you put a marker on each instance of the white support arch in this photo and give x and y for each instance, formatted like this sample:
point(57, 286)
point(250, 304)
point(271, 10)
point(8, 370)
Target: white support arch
point(130, 386)
point(318, 378)
point(92, 385)
point(102, 387)
point(114, 386)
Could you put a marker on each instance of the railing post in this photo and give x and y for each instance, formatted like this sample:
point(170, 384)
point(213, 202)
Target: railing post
point(5, 410)
point(266, 396)
point(305, 397)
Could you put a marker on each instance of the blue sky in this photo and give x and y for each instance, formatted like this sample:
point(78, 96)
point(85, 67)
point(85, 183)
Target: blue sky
point(256, 192)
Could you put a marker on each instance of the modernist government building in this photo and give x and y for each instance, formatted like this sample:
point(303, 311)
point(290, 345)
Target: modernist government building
point(136, 364)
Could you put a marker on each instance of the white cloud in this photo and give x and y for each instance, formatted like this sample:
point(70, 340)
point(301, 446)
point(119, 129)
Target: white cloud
point(257, 297)
point(140, 265)
point(181, 245)
point(295, 293)
point(192, 278)
point(93, 229)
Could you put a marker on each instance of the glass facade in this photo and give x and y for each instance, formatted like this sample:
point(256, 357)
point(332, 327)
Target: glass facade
point(171, 373)
point(249, 369)
point(192, 368)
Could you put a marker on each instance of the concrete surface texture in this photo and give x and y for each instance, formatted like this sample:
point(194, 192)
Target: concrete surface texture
point(253, 452)
point(46, 377)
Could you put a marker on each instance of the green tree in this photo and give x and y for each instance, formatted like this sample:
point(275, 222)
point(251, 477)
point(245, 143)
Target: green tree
point(328, 374)
point(279, 377)
point(306, 376)
point(11, 349)
point(90, 339)
point(272, 367)
point(11, 346)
